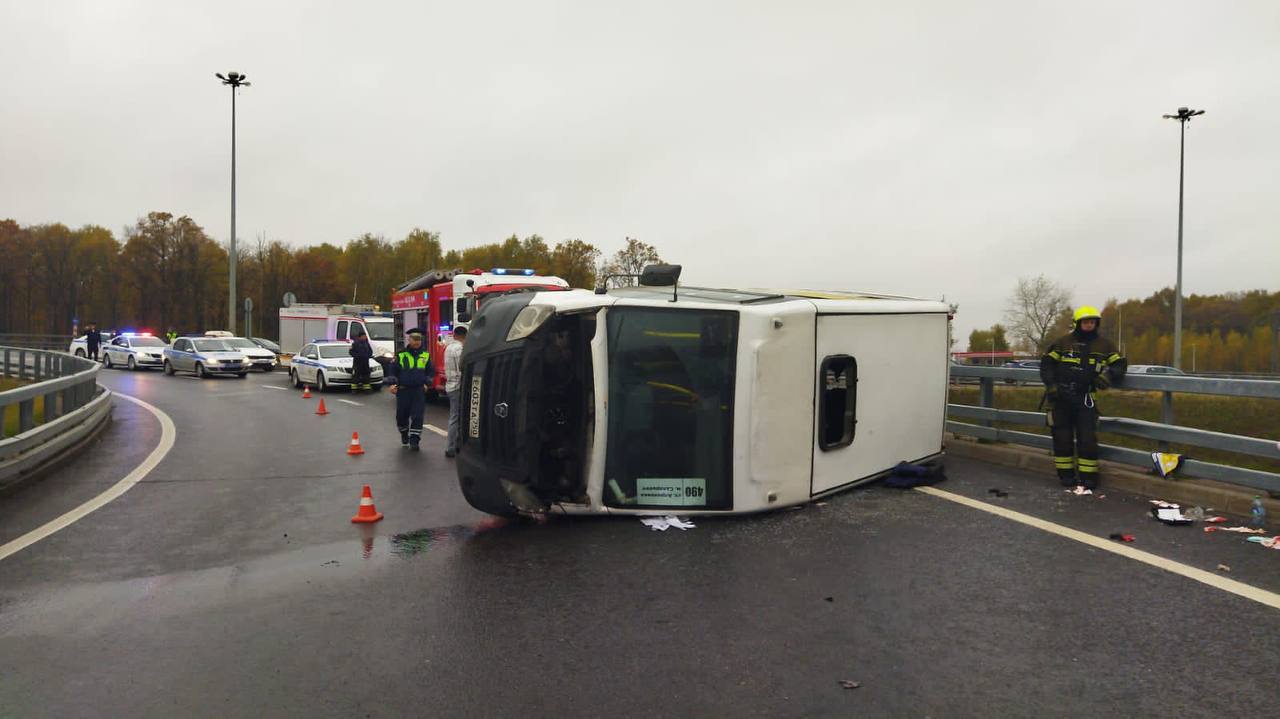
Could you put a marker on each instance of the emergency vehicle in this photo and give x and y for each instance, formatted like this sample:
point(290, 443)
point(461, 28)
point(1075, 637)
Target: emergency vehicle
point(80, 345)
point(303, 323)
point(439, 300)
point(135, 350)
point(657, 399)
point(259, 357)
point(323, 365)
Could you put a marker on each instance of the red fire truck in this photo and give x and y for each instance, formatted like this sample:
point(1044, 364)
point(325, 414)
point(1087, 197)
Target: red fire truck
point(438, 300)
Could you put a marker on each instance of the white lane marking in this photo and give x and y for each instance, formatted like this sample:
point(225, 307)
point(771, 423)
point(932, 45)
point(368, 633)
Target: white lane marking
point(436, 429)
point(1261, 596)
point(167, 435)
point(350, 402)
point(274, 386)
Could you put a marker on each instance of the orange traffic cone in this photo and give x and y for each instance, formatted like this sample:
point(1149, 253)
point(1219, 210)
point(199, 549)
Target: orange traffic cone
point(321, 409)
point(355, 447)
point(306, 391)
point(367, 512)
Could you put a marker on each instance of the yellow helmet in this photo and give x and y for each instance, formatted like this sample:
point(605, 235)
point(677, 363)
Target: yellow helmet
point(1087, 312)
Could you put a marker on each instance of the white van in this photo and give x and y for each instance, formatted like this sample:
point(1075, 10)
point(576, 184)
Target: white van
point(653, 400)
point(301, 324)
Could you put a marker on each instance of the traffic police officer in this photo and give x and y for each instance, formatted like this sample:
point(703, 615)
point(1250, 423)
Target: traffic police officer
point(1072, 368)
point(410, 377)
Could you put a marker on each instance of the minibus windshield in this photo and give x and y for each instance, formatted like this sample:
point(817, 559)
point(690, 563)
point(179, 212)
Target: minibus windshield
point(671, 397)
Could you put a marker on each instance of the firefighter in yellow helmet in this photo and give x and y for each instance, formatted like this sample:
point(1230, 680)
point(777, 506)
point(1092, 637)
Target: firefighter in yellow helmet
point(1073, 368)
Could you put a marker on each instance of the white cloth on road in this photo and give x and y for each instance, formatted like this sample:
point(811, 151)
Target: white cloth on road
point(662, 524)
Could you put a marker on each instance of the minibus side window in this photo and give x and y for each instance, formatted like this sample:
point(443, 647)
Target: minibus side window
point(838, 402)
point(341, 332)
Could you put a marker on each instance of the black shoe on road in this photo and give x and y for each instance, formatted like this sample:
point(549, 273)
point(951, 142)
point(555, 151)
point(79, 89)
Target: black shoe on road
point(450, 453)
point(413, 447)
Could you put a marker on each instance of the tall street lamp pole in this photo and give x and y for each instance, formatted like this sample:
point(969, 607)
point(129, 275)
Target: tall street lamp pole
point(235, 80)
point(1183, 116)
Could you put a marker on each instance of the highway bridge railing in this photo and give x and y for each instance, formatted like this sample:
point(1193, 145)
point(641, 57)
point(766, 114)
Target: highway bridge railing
point(72, 408)
point(1161, 434)
point(36, 342)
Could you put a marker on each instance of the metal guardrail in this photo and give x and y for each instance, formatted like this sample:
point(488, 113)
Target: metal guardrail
point(73, 406)
point(37, 342)
point(1162, 432)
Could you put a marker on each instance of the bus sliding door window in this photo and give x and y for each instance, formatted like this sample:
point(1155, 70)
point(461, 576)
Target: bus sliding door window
point(671, 392)
point(838, 402)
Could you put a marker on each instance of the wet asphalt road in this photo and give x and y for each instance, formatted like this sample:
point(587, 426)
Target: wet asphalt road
point(230, 582)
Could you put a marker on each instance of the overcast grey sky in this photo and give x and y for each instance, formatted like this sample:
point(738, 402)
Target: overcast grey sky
point(925, 148)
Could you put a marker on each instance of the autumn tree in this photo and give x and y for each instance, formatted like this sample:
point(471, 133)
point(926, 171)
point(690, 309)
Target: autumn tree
point(629, 262)
point(994, 339)
point(574, 261)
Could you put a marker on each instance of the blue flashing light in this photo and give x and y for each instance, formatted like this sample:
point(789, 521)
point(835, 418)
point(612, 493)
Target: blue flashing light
point(445, 327)
point(528, 273)
point(499, 271)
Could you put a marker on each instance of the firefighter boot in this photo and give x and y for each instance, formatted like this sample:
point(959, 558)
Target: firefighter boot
point(1066, 467)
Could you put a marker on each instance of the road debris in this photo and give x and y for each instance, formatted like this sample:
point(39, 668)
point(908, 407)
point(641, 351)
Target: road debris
point(1215, 520)
point(1171, 516)
point(662, 524)
point(1080, 490)
point(849, 684)
point(1164, 504)
point(1242, 530)
point(906, 475)
point(998, 492)
point(1122, 537)
point(1268, 542)
point(1223, 568)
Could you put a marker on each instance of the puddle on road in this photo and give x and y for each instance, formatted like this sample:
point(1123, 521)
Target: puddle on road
point(408, 544)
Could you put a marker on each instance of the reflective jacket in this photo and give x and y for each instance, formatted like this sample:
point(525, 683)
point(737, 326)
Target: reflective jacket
point(412, 368)
point(1073, 362)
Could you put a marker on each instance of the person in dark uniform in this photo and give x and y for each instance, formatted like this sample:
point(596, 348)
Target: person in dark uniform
point(361, 353)
point(1073, 368)
point(410, 378)
point(92, 341)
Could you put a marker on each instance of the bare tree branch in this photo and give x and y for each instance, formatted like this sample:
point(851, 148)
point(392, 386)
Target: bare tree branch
point(1035, 309)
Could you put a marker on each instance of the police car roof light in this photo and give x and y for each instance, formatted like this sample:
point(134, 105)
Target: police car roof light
point(498, 271)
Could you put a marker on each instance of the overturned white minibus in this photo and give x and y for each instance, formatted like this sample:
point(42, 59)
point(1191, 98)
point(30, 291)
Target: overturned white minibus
point(653, 399)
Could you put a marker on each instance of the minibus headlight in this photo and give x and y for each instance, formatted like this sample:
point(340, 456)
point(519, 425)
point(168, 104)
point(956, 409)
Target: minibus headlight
point(530, 318)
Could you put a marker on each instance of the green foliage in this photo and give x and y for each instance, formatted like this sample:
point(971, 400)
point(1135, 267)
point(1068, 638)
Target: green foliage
point(989, 340)
point(1231, 332)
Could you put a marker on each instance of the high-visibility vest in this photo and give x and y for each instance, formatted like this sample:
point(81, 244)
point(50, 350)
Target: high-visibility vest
point(407, 360)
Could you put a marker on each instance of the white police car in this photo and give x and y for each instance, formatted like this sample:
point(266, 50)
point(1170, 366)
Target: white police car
point(326, 364)
point(134, 350)
point(80, 345)
point(259, 357)
point(204, 356)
